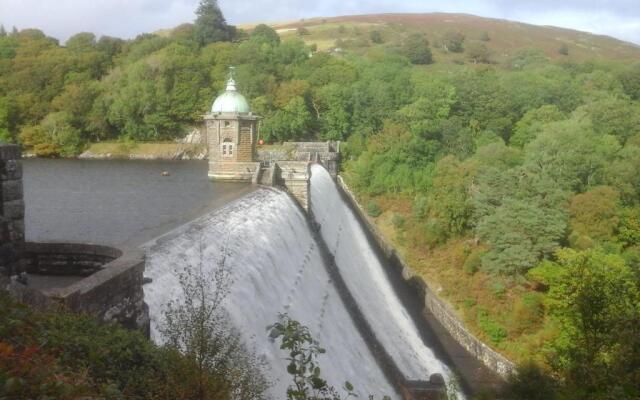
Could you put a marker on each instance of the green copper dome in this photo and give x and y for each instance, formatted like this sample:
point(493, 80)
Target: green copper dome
point(231, 101)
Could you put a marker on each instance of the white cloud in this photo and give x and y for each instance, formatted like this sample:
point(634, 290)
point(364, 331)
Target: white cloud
point(122, 18)
point(128, 18)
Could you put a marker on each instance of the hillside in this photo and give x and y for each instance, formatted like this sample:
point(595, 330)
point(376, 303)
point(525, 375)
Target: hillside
point(508, 182)
point(506, 37)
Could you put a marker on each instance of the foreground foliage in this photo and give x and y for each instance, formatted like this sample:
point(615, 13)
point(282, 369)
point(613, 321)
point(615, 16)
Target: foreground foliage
point(303, 351)
point(199, 328)
point(65, 356)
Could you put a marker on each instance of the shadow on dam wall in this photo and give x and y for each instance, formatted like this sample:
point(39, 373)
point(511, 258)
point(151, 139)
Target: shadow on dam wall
point(474, 376)
point(276, 267)
point(433, 388)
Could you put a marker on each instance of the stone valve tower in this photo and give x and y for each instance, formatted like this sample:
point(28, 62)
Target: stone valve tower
point(232, 131)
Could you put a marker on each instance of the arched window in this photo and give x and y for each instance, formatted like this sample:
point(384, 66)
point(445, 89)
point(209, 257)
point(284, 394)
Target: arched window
point(226, 148)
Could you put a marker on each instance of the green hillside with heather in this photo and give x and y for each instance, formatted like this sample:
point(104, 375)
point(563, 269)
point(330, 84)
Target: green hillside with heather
point(500, 157)
point(502, 38)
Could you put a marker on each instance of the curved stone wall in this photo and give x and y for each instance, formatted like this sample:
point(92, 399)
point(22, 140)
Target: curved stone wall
point(105, 281)
point(111, 287)
point(67, 259)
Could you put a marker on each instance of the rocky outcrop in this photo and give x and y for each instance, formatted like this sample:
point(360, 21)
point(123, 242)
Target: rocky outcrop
point(169, 151)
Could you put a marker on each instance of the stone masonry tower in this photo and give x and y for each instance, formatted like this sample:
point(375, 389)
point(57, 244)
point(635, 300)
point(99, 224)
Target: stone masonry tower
point(232, 131)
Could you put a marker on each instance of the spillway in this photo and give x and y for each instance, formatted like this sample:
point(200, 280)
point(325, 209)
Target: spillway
point(367, 281)
point(276, 266)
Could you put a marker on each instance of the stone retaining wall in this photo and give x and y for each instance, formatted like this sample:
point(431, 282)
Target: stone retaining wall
point(11, 209)
point(76, 259)
point(112, 285)
point(433, 305)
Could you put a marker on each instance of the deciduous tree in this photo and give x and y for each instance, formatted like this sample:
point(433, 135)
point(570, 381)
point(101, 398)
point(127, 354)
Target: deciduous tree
point(478, 53)
point(596, 301)
point(452, 42)
point(265, 34)
point(594, 216)
point(416, 49)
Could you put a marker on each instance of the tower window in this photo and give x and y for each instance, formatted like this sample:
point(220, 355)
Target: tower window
point(227, 124)
point(226, 148)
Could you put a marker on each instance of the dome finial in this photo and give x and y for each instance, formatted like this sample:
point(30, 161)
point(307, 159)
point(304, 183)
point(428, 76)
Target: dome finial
point(231, 82)
point(231, 101)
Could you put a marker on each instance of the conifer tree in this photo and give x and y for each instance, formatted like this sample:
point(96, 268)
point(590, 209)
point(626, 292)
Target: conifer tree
point(210, 25)
point(3, 32)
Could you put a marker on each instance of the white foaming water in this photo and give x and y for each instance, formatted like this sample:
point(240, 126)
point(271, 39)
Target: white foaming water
point(368, 283)
point(276, 267)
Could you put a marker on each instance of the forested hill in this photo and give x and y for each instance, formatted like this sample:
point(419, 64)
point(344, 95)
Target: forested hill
point(503, 38)
point(503, 165)
point(55, 99)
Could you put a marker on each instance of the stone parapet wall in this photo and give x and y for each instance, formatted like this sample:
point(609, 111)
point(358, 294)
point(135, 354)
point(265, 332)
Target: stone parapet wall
point(294, 176)
point(272, 155)
point(233, 171)
point(313, 147)
point(112, 293)
point(433, 305)
point(11, 209)
point(75, 259)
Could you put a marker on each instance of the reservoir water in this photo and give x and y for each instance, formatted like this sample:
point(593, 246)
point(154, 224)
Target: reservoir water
point(114, 202)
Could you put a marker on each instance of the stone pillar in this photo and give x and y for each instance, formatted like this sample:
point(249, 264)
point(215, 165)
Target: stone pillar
point(11, 209)
point(295, 177)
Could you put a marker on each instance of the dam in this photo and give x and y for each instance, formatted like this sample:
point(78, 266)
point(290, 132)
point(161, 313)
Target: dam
point(289, 245)
point(277, 266)
point(280, 262)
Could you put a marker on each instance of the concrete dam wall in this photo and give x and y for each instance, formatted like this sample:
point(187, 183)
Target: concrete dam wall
point(279, 265)
point(276, 267)
point(318, 267)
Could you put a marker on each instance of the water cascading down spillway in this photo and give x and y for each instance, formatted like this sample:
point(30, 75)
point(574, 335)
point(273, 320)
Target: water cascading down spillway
point(366, 280)
point(277, 266)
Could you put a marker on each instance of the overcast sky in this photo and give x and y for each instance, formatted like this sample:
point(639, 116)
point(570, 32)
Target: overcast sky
point(127, 18)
